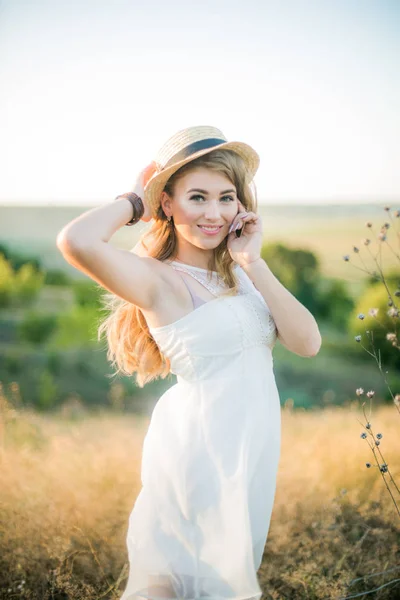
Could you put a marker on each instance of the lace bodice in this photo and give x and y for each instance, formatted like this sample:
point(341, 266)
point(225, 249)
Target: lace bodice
point(229, 332)
point(210, 279)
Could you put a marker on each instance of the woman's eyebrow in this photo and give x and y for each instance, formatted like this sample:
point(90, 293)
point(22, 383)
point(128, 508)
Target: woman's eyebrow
point(205, 191)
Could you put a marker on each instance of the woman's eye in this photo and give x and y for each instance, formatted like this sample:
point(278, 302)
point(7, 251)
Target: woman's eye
point(226, 198)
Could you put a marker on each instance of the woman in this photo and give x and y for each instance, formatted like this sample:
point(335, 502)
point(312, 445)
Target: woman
point(198, 301)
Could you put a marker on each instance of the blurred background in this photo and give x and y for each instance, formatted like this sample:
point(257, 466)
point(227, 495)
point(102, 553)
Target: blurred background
point(90, 91)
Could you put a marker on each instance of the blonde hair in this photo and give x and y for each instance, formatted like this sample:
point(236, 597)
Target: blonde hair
point(131, 347)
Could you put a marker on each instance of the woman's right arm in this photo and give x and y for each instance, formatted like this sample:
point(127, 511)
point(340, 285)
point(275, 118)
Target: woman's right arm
point(84, 244)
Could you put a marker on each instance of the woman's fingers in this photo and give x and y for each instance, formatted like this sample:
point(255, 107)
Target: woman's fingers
point(236, 221)
point(240, 221)
point(148, 172)
point(241, 216)
point(244, 217)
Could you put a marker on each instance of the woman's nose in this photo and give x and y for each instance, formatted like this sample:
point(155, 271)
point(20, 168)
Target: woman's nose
point(212, 210)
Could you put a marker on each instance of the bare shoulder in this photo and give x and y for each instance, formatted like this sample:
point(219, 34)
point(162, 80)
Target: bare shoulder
point(172, 297)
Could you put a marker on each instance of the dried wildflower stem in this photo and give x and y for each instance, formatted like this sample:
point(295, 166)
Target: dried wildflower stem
point(368, 577)
point(382, 276)
point(394, 226)
point(365, 266)
point(386, 483)
point(377, 259)
point(366, 271)
point(370, 591)
point(379, 363)
point(394, 252)
point(380, 256)
point(367, 351)
point(379, 323)
point(375, 448)
point(374, 575)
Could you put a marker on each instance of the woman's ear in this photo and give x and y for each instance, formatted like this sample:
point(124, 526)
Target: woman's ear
point(166, 203)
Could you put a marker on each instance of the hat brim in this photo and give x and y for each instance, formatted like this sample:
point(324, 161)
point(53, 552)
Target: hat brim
point(155, 185)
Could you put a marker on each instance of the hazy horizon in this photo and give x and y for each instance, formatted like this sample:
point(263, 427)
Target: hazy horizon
point(304, 202)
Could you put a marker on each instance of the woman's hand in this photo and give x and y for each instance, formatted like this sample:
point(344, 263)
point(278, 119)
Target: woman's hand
point(139, 185)
point(246, 248)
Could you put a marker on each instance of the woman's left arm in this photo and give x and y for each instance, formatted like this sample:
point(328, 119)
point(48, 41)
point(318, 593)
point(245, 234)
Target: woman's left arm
point(297, 329)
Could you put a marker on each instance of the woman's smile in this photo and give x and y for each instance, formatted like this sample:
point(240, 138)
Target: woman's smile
point(210, 229)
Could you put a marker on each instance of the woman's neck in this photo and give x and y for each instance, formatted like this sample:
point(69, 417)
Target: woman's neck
point(194, 257)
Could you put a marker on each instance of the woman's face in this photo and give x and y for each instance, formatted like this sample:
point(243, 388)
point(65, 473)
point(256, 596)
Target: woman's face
point(203, 207)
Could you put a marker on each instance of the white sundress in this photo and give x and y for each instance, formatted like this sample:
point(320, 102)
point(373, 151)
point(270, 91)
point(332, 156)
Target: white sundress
point(210, 456)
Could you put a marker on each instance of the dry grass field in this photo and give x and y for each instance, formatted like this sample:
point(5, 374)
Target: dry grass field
point(68, 486)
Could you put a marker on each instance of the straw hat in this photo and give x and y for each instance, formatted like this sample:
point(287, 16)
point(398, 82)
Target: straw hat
point(185, 146)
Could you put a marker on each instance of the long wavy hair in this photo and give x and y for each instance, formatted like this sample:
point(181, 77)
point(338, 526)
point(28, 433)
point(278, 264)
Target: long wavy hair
point(131, 347)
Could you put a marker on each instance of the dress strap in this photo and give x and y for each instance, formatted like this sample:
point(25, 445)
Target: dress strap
point(197, 301)
point(213, 284)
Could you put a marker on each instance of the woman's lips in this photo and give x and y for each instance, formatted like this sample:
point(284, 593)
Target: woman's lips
point(209, 230)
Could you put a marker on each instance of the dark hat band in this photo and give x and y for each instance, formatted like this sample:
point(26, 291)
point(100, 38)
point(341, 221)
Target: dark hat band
point(192, 148)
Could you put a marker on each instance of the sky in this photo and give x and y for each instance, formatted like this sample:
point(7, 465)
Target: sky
point(91, 89)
